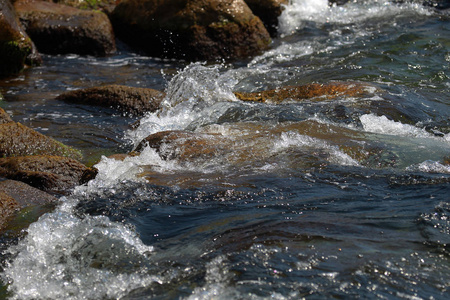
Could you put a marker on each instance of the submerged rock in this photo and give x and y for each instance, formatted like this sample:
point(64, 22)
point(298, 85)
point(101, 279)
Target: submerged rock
point(268, 11)
point(16, 48)
point(8, 206)
point(191, 29)
point(126, 99)
point(314, 91)
point(62, 29)
point(49, 173)
point(19, 140)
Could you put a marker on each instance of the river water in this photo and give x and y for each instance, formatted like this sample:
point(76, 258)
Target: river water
point(316, 199)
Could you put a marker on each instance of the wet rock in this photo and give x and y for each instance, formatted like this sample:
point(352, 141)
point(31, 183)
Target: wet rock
point(24, 194)
point(16, 195)
point(8, 206)
point(191, 29)
point(19, 140)
point(16, 48)
point(314, 91)
point(48, 173)
point(182, 145)
point(107, 6)
point(62, 29)
point(268, 11)
point(132, 100)
point(4, 117)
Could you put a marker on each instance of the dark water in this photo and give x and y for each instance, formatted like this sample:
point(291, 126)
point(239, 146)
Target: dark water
point(321, 199)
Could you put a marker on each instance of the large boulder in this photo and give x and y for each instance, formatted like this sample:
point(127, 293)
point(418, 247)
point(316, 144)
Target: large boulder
point(62, 29)
point(132, 100)
point(268, 11)
point(49, 173)
point(16, 48)
point(191, 29)
point(18, 140)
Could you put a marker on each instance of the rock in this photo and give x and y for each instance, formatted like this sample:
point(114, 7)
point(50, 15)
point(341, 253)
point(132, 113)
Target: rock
point(16, 195)
point(19, 140)
point(182, 144)
point(8, 206)
point(314, 91)
point(16, 48)
point(24, 194)
point(191, 29)
point(132, 100)
point(4, 117)
point(62, 29)
point(48, 173)
point(268, 11)
point(106, 6)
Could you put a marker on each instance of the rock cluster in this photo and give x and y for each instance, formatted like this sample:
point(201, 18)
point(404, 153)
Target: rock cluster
point(33, 162)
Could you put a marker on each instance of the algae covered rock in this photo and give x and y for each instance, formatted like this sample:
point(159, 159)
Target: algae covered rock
point(191, 29)
point(17, 140)
point(45, 172)
point(132, 100)
point(62, 29)
point(16, 48)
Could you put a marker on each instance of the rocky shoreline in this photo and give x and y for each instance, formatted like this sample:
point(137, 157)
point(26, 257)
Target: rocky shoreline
point(36, 169)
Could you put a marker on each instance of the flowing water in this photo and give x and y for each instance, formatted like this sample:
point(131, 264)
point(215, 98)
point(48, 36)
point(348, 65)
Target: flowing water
point(339, 198)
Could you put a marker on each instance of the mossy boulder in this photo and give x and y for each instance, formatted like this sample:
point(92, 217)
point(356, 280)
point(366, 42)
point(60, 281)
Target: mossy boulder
point(127, 99)
point(16, 48)
point(45, 172)
point(191, 29)
point(62, 29)
point(18, 140)
point(268, 11)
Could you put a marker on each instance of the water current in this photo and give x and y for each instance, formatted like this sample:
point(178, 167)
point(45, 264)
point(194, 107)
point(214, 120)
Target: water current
point(319, 199)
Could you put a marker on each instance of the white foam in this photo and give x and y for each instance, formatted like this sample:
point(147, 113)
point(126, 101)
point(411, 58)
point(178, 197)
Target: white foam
point(293, 139)
point(197, 93)
point(298, 12)
point(381, 124)
point(430, 166)
point(67, 257)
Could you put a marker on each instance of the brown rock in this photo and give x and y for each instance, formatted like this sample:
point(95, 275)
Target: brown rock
point(127, 99)
point(19, 140)
point(61, 29)
point(48, 173)
point(314, 91)
point(15, 195)
point(107, 6)
point(4, 117)
point(16, 48)
point(183, 144)
point(191, 29)
point(8, 206)
point(24, 194)
point(268, 11)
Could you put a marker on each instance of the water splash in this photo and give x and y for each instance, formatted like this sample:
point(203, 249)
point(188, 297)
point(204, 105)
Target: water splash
point(296, 15)
point(65, 256)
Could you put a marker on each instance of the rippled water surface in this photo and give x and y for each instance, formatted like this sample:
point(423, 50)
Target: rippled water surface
point(340, 198)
